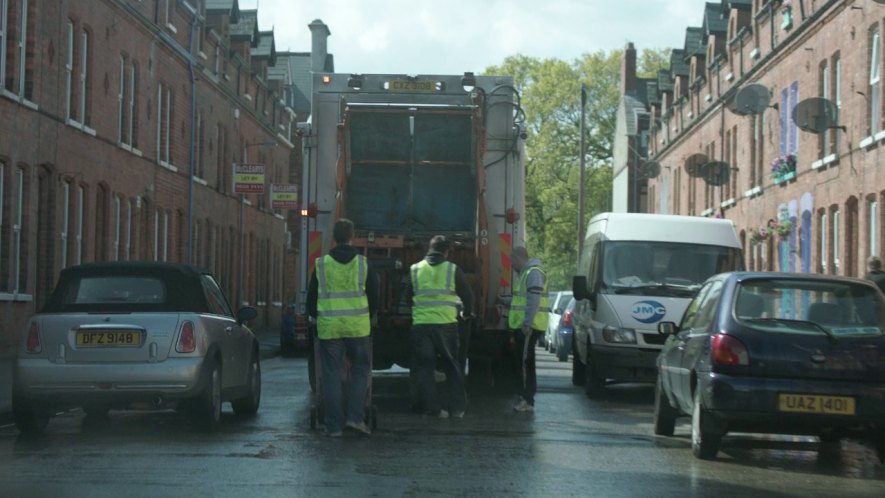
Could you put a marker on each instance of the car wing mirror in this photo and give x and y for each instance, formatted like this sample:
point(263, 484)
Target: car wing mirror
point(667, 328)
point(245, 314)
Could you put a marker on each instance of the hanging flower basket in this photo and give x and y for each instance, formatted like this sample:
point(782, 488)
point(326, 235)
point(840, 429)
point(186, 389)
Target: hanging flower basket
point(783, 168)
point(786, 14)
point(759, 235)
point(781, 229)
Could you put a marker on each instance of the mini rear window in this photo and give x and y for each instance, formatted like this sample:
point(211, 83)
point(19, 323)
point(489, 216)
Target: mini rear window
point(115, 290)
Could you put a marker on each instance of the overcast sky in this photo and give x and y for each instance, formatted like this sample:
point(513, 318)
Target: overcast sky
point(454, 36)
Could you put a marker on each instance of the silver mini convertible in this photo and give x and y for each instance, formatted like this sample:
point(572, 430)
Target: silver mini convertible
point(139, 335)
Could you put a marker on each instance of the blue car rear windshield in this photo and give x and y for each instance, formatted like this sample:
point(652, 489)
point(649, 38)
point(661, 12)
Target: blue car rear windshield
point(803, 306)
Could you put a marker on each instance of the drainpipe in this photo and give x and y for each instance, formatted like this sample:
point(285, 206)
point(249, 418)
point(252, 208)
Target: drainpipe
point(191, 152)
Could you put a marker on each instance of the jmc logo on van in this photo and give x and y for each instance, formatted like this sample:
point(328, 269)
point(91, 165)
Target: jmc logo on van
point(648, 311)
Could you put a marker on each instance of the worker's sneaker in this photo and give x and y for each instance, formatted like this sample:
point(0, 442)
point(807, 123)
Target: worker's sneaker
point(442, 414)
point(335, 434)
point(359, 427)
point(458, 414)
point(523, 406)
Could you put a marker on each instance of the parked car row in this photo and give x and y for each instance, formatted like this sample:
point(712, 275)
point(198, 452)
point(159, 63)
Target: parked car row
point(139, 335)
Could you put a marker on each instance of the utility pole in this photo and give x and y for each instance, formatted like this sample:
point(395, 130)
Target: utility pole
point(581, 176)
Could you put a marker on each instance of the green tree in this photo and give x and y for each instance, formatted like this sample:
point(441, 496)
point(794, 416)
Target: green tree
point(550, 91)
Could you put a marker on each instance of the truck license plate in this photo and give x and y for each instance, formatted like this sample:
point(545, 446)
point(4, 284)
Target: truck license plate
point(813, 403)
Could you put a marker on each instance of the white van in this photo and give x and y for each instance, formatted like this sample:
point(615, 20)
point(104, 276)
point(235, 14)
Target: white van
point(636, 270)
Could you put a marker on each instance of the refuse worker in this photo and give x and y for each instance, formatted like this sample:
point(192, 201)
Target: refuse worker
point(875, 273)
point(527, 319)
point(436, 288)
point(343, 297)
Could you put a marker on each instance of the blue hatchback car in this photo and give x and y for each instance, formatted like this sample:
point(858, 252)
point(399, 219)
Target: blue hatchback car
point(775, 353)
point(565, 332)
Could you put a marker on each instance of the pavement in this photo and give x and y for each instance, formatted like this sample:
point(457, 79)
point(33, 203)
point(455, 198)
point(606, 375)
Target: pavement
point(269, 347)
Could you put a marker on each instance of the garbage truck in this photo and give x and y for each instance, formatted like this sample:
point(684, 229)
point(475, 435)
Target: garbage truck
point(408, 157)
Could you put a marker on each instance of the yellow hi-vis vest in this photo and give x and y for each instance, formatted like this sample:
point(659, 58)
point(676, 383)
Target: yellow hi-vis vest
point(342, 305)
point(433, 288)
point(518, 305)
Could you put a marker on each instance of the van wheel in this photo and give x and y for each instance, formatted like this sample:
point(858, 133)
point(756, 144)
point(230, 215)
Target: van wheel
point(578, 367)
point(594, 386)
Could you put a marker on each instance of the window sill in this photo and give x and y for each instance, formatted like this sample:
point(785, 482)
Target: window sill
point(754, 54)
point(168, 166)
point(171, 28)
point(817, 164)
point(727, 203)
point(830, 159)
point(279, 216)
point(729, 77)
point(879, 136)
point(202, 55)
point(277, 304)
point(867, 142)
point(753, 191)
point(707, 212)
point(16, 297)
point(129, 149)
point(200, 181)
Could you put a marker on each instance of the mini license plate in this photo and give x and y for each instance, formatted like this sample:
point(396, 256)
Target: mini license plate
point(425, 86)
point(108, 338)
point(813, 403)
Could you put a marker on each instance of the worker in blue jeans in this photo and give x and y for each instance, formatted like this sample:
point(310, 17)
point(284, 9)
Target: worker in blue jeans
point(342, 297)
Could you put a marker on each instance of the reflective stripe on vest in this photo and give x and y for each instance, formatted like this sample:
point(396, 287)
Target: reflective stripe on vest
point(516, 319)
point(434, 299)
point(342, 305)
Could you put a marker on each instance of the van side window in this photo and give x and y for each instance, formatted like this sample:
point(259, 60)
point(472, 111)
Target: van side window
point(593, 270)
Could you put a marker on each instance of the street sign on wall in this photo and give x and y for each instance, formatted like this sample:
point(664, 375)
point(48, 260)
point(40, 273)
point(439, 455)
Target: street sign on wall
point(249, 178)
point(284, 196)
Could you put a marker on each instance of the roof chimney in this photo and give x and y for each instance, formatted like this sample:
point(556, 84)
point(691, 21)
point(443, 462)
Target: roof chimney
point(628, 71)
point(318, 51)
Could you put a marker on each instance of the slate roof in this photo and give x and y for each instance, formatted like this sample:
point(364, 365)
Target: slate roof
point(679, 66)
point(297, 65)
point(264, 46)
point(736, 4)
point(651, 92)
point(714, 22)
point(231, 7)
point(695, 42)
point(633, 108)
point(665, 80)
point(247, 26)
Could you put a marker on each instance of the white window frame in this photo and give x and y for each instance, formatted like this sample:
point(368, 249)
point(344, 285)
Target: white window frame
point(65, 224)
point(836, 240)
point(165, 236)
point(22, 47)
point(81, 198)
point(132, 75)
point(121, 95)
point(118, 218)
point(823, 242)
point(17, 229)
point(157, 235)
point(874, 228)
point(127, 255)
point(84, 75)
point(825, 93)
point(4, 14)
point(69, 74)
point(159, 121)
point(875, 77)
point(837, 81)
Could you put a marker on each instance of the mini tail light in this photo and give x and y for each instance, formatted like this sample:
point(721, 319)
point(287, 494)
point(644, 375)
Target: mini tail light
point(728, 350)
point(187, 339)
point(32, 344)
point(567, 318)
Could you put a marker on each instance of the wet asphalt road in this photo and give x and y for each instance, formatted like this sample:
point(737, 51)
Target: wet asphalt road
point(570, 446)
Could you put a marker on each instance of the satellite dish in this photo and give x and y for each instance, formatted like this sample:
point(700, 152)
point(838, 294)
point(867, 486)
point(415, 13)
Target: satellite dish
point(693, 164)
point(650, 169)
point(816, 115)
point(751, 99)
point(716, 173)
